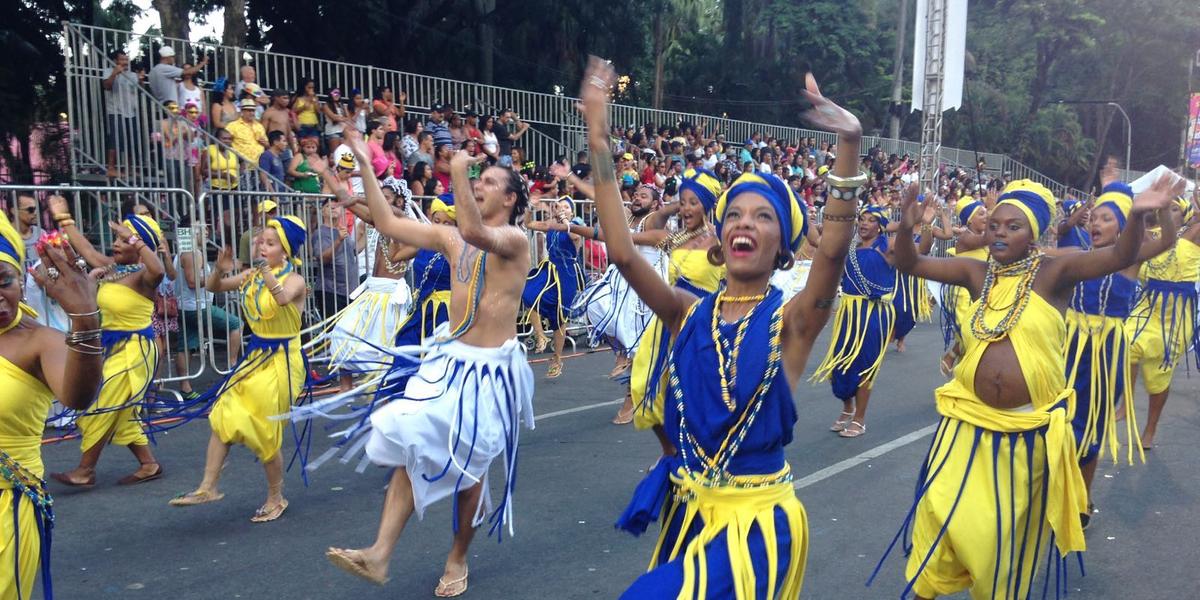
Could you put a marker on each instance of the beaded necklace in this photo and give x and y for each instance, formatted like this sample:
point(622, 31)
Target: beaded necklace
point(25, 482)
point(1077, 300)
point(863, 282)
point(474, 293)
point(676, 240)
point(117, 272)
point(716, 470)
point(1026, 269)
point(392, 267)
point(641, 222)
point(729, 361)
point(255, 296)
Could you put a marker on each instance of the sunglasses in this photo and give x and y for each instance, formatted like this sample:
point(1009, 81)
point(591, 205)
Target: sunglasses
point(31, 210)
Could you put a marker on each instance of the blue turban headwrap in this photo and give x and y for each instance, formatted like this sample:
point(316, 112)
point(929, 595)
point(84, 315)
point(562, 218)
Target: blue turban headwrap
point(292, 234)
point(968, 210)
point(704, 184)
point(791, 212)
point(146, 228)
point(1118, 197)
point(1033, 199)
point(12, 248)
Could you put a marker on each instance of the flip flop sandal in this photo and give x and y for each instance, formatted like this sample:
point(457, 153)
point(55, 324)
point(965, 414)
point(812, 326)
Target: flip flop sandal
point(264, 515)
point(853, 430)
point(555, 370)
point(133, 479)
point(65, 480)
point(450, 589)
point(345, 560)
point(841, 422)
point(623, 418)
point(194, 499)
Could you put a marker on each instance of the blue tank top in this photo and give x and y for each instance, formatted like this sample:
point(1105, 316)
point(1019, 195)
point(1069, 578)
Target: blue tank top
point(1090, 296)
point(706, 418)
point(1076, 237)
point(432, 271)
point(868, 273)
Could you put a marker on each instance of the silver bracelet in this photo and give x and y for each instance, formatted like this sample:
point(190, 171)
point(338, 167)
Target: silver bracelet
point(94, 313)
point(90, 351)
point(78, 337)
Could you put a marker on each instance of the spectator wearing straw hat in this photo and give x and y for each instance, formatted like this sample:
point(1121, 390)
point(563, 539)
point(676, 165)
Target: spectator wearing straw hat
point(249, 136)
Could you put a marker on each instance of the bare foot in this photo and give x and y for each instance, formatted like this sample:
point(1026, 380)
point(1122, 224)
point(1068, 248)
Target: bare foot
point(357, 562)
point(900, 345)
point(196, 498)
point(1148, 439)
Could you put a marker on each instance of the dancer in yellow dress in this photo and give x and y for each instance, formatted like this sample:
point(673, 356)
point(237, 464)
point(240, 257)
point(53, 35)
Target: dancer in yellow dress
point(1001, 483)
point(1163, 324)
point(129, 284)
point(272, 374)
point(38, 364)
point(735, 528)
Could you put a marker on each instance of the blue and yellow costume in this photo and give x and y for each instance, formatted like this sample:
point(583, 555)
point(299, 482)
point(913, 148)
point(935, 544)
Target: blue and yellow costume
point(1097, 349)
point(735, 528)
point(999, 487)
point(865, 318)
point(913, 303)
point(956, 300)
point(552, 285)
point(26, 509)
point(687, 269)
point(1076, 236)
point(130, 357)
point(1163, 324)
point(432, 305)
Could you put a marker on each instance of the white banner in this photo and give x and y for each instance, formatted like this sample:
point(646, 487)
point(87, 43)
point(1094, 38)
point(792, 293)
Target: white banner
point(952, 62)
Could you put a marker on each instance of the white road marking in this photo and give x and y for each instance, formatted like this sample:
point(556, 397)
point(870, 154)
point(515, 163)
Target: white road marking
point(871, 454)
point(568, 411)
point(807, 480)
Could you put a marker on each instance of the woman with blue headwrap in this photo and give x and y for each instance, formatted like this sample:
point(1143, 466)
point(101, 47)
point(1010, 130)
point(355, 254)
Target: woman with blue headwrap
point(1002, 471)
point(913, 301)
point(1162, 328)
point(1073, 230)
point(129, 281)
point(552, 285)
point(863, 325)
point(1097, 349)
point(38, 364)
point(268, 380)
point(733, 528)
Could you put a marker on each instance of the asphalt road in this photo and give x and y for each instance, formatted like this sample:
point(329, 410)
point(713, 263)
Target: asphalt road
point(576, 473)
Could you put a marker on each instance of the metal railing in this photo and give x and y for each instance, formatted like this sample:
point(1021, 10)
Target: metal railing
point(550, 114)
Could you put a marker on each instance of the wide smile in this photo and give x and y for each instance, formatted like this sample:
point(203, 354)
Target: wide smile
point(741, 246)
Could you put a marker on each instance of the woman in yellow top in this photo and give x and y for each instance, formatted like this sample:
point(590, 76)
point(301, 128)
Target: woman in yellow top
point(270, 377)
point(305, 106)
point(220, 167)
point(37, 364)
point(688, 269)
point(129, 282)
point(1003, 457)
point(1162, 326)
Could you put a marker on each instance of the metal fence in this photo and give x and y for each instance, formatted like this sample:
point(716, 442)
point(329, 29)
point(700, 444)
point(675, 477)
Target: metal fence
point(556, 127)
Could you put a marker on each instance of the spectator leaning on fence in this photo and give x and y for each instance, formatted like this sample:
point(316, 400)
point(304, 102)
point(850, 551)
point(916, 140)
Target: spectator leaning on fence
point(165, 76)
point(120, 109)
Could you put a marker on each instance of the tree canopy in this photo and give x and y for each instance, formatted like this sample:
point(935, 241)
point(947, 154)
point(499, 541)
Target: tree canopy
point(740, 58)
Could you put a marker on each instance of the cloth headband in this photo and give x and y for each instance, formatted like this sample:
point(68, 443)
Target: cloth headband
point(968, 210)
point(704, 184)
point(439, 205)
point(292, 234)
point(792, 215)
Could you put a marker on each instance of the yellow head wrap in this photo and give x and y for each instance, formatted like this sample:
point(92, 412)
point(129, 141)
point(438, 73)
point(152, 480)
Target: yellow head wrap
point(1185, 206)
point(1033, 199)
point(292, 234)
point(1119, 197)
point(439, 206)
point(146, 228)
point(793, 224)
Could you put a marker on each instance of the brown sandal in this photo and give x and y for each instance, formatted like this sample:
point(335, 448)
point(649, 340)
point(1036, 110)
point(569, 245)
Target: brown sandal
point(133, 479)
point(65, 479)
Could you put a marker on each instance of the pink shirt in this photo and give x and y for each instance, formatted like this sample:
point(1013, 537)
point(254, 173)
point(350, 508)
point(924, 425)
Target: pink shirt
point(380, 159)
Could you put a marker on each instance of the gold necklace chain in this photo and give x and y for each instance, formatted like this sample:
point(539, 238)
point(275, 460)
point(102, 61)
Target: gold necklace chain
point(1026, 269)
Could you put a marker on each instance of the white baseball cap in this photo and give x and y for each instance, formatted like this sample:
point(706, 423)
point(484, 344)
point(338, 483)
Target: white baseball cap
point(166, 52)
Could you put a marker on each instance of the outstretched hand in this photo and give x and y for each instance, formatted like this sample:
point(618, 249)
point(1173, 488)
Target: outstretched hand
point(74, 291)
point(911, 211)
point(827, 115)
point(1160, 194)
point(598, 80)
point(355, 141)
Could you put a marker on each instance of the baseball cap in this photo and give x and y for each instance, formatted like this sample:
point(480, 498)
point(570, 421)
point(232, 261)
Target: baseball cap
point(437, 107)
point(166, 52)
point(627, 156)
point(267, 206)
point(248, 104)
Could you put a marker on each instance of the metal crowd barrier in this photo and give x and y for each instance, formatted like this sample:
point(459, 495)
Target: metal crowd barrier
point(92, 208)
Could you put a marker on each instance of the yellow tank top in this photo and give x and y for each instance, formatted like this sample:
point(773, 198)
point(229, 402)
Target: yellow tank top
point(123, 309)
point(1180, 263)
point(1038, 338)
point(222, 168)
point(977, 254)
point(267, 319)
point(306, 112)
point(692, 265)
point(24, 404)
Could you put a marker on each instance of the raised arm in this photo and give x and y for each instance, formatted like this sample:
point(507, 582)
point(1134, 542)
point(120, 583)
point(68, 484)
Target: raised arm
point(152, 275)
point(665, 301)
point(507, 242)
point(73, 372)
point(1070, 269)
point(218, 281)
point(955, 271)
point(406, 231)
point(1167, 237)
point(807, 313)
point(79, 243)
